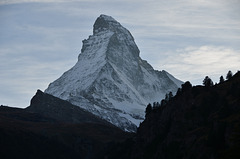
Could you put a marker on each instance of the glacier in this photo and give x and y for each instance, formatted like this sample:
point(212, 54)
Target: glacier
point(110, 79)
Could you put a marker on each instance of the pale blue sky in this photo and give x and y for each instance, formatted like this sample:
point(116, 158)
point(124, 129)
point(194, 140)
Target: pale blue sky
point(41, 39)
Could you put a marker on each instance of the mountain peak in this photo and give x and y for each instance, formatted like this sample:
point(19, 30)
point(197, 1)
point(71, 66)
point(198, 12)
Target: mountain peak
point(105, 22)
point(113, 39)
point(110, 79)
point(107, 18)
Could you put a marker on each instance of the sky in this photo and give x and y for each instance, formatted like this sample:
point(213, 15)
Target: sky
point(41, 39)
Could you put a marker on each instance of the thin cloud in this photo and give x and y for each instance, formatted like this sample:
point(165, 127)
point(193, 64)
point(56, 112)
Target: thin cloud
point(5, 2)
point(195, 63)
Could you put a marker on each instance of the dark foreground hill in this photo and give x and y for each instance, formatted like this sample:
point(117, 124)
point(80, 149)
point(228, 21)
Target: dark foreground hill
point(53, 128)
point(198, 123)
point(61, 110)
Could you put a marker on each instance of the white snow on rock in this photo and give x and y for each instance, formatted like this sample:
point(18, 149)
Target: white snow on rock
point(110, 79)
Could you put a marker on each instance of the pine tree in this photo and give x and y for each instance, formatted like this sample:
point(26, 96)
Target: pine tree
point(221, 80)
point(207, 82)
point(186, 86)
point(179, 91)
point(148, 109)
point(229, 75)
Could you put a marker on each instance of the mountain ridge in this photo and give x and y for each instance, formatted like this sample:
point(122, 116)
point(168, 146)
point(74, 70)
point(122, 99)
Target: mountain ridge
point(61, 110)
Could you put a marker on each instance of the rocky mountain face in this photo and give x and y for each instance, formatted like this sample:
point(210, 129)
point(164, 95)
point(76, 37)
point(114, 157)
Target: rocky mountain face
point(110, 79)
point(199, 122)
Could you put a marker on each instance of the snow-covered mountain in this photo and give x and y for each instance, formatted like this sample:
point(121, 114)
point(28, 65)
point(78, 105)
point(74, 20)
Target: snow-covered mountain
point(110, 79)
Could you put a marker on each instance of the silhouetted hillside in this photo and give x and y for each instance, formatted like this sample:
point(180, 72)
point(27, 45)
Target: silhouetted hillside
point(198, 123)
point(61, 110)
point(53, 128)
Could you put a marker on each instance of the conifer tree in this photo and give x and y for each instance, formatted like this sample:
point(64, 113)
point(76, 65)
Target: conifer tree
point(221, 80)
point(170, 95)
point(163, 102)
point(179, 91)
point(207, 82)
point(187, 85)
point(148, 109)
point(229, 75)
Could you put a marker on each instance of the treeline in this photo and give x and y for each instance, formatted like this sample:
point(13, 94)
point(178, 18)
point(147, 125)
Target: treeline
point(207, 82)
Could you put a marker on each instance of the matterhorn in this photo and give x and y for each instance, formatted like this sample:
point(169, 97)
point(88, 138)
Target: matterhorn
point(110, 79)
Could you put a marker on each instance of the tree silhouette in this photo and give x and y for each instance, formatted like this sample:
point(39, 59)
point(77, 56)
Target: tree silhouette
point(187, 85)
point(221, 80)
point(229, 75)
point(179, 91)
point(170, 95)
point(148, 109)
point(163, 102)
point(207, 82)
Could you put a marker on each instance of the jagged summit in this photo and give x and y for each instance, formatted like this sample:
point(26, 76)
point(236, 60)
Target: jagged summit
point(105, 22)
point(110, 79)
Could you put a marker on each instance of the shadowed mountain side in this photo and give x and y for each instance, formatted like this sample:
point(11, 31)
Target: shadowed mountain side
point(53, 128)
point(199, 122)
point(61, 110)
